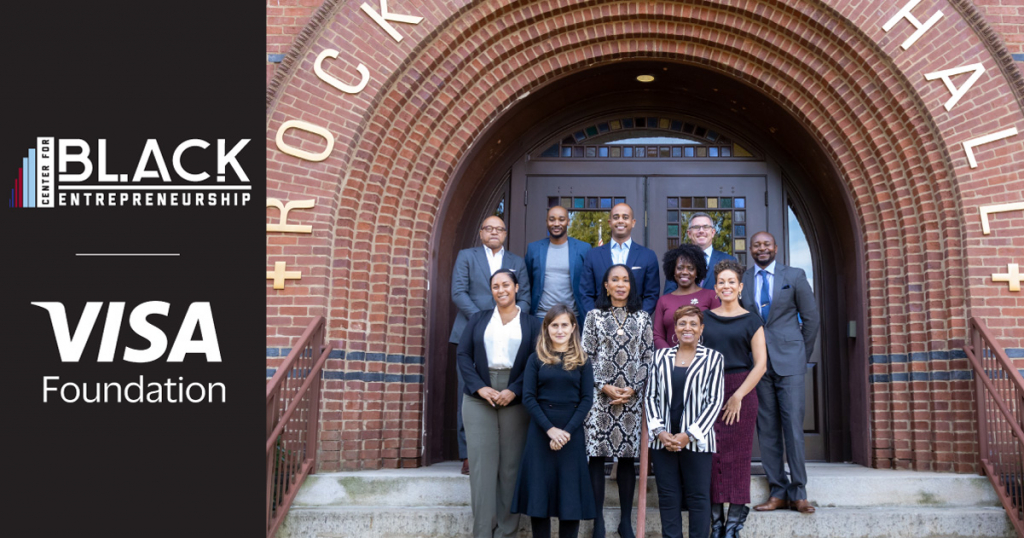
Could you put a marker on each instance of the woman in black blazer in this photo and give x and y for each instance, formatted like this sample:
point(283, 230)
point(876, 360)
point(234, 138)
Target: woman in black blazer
point(684, 396)
point(492, 354)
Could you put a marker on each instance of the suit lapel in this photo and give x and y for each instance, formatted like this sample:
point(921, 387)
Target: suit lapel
point(483, 268)
point(524, 327)
point(780, 272)
point(748, 300)
point(634, 253)
point(709, 279)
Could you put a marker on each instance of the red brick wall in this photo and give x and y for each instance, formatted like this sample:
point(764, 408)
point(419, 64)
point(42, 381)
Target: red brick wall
point(1007, 19)
point(285, 19)
point(898, 154)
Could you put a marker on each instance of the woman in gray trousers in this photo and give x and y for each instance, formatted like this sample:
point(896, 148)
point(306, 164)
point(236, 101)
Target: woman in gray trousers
point(492, 354)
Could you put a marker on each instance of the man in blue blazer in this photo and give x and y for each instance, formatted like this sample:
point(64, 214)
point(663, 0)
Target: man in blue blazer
point(701, 232)
point(555, 264)
point(783, 299)
point(622, 249)
point(471, 291)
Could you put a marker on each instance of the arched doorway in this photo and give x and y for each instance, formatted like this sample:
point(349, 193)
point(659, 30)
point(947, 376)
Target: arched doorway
point(691, 140)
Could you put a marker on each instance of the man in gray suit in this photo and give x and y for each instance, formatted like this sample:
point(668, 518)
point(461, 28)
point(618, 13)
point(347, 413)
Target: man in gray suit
point(785, 302)
point(471, 290)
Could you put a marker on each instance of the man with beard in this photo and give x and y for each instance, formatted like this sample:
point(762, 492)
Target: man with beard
point(555, 264)
point(785, 302)
point(642, 262)
point(471, 291)
point(701, 232)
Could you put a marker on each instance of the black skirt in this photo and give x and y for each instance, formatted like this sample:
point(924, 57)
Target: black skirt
point(554, 483)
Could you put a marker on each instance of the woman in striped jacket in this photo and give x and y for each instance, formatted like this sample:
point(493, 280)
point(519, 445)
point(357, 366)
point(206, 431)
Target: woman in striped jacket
point(684, 397)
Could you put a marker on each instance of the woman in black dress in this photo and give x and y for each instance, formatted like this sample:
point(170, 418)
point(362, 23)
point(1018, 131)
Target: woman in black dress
point(558, 392)
point(739, 336)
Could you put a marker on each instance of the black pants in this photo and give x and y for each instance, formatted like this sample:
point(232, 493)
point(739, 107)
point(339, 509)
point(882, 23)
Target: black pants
point(684, 474)
point(567, 528)
point(626, 480)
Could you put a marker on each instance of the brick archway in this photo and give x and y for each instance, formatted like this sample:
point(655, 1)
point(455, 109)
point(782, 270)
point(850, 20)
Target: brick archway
point(404, 144)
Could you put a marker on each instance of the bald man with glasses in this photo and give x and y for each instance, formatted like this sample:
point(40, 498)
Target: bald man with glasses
point(471, 291)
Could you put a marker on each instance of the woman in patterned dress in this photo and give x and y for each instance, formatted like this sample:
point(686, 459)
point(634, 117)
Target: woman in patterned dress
point(618, 339)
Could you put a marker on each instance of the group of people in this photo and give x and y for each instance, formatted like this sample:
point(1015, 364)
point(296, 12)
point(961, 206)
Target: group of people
point(701, 364)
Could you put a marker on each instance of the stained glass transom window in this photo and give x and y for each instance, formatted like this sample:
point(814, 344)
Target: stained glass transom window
point(646, 137)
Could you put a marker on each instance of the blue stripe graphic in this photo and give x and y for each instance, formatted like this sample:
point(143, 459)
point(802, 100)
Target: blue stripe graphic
point(24, 182)
point(31, 173)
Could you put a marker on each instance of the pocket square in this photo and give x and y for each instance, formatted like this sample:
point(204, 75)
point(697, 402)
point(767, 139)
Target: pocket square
point(635, 267)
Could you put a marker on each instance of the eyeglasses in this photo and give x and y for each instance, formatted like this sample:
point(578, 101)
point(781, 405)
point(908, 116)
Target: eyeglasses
point(699, 227)
point(492, 229)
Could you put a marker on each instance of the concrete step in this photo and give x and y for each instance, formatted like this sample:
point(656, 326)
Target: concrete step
point(829, 485)
point(456, 522)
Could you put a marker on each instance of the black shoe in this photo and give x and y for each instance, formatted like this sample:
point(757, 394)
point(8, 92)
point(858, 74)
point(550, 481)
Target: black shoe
point(717, 521)
point(626, 528)
point(598, 526)
point(737, 517)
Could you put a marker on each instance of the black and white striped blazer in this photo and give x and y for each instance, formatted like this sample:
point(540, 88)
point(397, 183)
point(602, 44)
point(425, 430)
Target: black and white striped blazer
point(703, 395)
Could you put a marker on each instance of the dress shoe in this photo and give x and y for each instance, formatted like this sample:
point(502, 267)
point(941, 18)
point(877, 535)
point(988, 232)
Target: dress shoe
point(626, 529)
point(801, 506)
point(465, 467)
point(774, 503)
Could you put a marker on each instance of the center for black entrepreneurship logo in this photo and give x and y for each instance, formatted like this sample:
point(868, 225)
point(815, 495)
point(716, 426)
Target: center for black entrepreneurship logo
point(66, 172)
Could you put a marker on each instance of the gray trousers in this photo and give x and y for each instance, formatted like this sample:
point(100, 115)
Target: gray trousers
point(495, 438)
point(460, 427)
point(780, 418)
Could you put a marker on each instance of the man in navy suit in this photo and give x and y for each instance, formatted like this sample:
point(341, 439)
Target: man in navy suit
point(785, 302)
point(701, 232)
point(555, 265)
point(471, 291)
point(621, 250)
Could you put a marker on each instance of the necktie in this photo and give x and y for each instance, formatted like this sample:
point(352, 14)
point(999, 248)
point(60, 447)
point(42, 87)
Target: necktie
point(765, 300)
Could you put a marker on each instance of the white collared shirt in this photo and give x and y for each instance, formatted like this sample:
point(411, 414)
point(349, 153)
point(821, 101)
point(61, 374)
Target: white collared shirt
point(757, 282)
point(494, 260)
point(620, 252)
point(501, 341)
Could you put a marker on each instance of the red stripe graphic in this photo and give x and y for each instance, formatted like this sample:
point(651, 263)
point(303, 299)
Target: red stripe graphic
point(18, 193)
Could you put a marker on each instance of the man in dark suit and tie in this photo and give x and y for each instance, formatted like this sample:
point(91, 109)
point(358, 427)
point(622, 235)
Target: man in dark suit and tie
point(785, 302)
point(701, 232)
point(555, 264)
point(621, 250)
point(471, 290)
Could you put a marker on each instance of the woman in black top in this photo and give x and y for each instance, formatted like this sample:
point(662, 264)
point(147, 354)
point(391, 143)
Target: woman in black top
point(684, 396)
point(739, 336)
point(558, 390)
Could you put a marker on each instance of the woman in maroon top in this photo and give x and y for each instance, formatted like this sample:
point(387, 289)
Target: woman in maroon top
point(685, 265)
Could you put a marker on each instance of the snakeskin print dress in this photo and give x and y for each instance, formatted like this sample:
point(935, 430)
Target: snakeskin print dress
point(623, 361)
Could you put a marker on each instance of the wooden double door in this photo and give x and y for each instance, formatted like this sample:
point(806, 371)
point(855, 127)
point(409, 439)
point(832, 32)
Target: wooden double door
point(742, 201)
